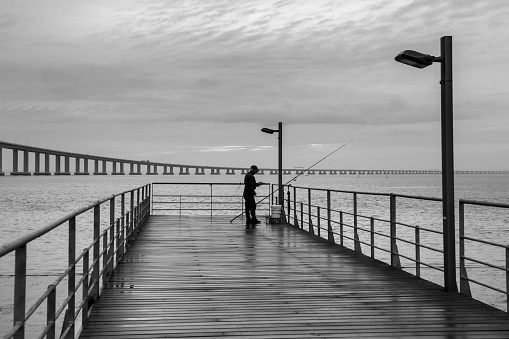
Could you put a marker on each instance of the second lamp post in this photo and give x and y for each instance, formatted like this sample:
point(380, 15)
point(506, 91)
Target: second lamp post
point(280, 162)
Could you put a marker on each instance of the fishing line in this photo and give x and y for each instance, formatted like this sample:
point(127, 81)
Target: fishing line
point(298, 175)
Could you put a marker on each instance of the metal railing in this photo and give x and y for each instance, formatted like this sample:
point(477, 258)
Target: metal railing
point(336, 215)
point(91, 281)
point(188, 198)
point(403, 234)
point(491, 246)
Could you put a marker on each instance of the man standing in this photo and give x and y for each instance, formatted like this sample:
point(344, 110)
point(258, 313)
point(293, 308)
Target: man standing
point(250, 185)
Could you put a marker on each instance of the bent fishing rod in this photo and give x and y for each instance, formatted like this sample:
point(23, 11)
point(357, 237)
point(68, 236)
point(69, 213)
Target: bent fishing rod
point(298, 175)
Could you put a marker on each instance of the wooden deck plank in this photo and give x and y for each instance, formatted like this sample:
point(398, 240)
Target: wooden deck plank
point(197, 277)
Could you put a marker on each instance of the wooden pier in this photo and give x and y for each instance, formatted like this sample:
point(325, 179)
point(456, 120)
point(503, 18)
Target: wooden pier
point(202, 277)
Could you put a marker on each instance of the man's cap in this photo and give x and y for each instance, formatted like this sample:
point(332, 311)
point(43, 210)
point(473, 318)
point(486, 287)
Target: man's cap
point(254, 167)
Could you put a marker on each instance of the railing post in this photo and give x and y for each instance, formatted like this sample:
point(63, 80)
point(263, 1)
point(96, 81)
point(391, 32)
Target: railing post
point(310, 219)
point(330, 234)
point(417, 252)
point(138, 208)
point(149, 199)
point(118, 242)
point(85, 287)
point(20, 285)
point(295, 219)
point(71, 278)
point(105, 258)
point(111, 229)
point(464, 284)
point(132, 215)
point(507, 276)
point(50, 313)
point(395, 262)
point(372, 231)
point(301, 215)
point(357, 244)
point(341, 239)
point(318, 219)
point(288, 203)
point(97, 229)
point(121, 246)
point(127, 231)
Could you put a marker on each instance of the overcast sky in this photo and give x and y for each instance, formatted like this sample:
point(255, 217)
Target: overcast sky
point(194, 81)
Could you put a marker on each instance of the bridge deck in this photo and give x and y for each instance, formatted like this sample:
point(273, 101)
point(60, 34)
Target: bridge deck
point(198, 277)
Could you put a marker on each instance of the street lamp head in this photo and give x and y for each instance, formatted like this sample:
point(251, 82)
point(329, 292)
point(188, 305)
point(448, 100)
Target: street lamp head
point(269, 131)
point(415, 59)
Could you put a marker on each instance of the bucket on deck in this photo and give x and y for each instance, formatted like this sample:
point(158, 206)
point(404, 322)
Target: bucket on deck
point(276, 214)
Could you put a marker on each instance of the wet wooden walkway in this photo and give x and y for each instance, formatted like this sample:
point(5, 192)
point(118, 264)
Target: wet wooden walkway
point(198, 277)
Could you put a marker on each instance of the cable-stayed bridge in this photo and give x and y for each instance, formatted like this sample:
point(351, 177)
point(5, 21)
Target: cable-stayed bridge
point(32, 160)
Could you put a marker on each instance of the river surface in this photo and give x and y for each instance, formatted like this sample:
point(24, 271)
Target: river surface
point(28, 203)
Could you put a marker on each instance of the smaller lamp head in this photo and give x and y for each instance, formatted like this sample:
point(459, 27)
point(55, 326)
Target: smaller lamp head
point(415, 59)
point(268, 130)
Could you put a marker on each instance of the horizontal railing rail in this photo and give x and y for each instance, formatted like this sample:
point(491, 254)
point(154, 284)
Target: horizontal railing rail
point(220, 198)
point(359, 228)
point(108, 245)
point(403, 234)
point(500, 272)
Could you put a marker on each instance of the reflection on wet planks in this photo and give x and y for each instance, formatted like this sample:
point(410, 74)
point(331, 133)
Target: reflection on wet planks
point(197, 277)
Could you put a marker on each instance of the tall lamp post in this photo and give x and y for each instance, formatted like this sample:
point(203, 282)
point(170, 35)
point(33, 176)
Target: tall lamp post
point(280, 162)
point(419, 60)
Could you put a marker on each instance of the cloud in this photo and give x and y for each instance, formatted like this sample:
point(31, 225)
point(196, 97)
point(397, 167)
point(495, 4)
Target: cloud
point(156, 66)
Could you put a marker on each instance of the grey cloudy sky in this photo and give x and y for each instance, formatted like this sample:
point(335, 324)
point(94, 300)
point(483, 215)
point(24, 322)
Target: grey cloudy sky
point(194, 81)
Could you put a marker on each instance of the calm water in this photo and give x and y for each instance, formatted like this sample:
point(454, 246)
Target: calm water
point(27, 203)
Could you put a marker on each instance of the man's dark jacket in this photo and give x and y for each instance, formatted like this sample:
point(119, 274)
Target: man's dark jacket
point(249, 185)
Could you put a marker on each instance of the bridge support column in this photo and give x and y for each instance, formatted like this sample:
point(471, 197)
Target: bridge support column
point(148, 170)
point(138, 167)
point(57, 164)
point(15, 163)
point(184, 170)
point(96, 167)
point(66, 165)
point(230, 171)
point(214, 171)
point(121, 168)
point(77, 170)
point(166, 170)
point(26, 162)
point(46, 164)
point(200, 171)
point(37, 168)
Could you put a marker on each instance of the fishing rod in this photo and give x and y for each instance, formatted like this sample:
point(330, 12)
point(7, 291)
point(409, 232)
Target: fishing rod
point(298, 175)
